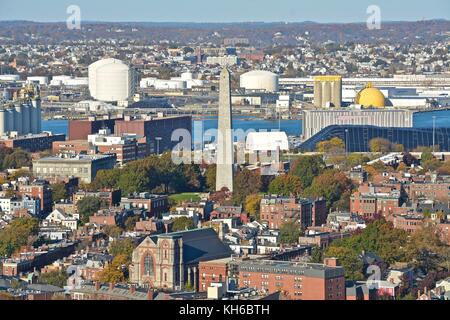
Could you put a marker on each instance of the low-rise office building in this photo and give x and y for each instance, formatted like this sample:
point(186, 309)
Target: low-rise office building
point(84, 167)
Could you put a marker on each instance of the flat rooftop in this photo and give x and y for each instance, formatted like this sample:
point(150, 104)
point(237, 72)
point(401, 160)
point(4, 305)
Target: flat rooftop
point(293, 268)
point(80, 157)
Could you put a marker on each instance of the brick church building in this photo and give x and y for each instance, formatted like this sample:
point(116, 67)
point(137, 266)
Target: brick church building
point(170, 261)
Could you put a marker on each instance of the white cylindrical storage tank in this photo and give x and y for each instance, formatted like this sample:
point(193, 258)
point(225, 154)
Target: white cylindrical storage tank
point(259, 81)
point(18, 118)
point(2, 122)
point(26, 119)
point(110, 80)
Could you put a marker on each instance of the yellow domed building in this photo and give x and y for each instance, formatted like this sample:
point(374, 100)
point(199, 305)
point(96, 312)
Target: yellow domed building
point(370, 97)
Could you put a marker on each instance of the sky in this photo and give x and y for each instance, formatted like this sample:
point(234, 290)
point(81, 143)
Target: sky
point(325, 11)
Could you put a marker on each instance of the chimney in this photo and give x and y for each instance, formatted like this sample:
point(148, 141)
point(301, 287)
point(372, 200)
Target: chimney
point(132, 289)
point(97, 285)
point(331, 262)
point(111, 286)
point(150, 295)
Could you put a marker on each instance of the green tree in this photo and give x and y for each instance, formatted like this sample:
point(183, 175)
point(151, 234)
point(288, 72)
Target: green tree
point(290, 231)
point(54, 278)
point(122, 247)
point(348, 258)
point(107, 179)
point(306, 168)
point(130, 222)
point(252, 205)
point(183, 223)
point(246, 183)
point(59, 192)
point(286, 185)
point(210, 175)
point(112, 231)
point(17, 159)
point(316, 255)
point(427, 156)
point(87, 207)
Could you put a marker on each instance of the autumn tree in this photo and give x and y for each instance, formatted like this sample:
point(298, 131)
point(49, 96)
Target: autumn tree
point(334, 145)
point(252, 205)
point(116, 271)
point(246, 183)
point(18, 233)
point(380, 145)
point(331, 185)
point(122, 247)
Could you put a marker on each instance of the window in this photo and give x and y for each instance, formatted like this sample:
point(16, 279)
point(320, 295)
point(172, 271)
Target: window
point(148, 265)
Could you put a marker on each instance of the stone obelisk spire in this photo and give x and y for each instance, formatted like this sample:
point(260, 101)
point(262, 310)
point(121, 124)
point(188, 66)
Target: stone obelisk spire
point(225, 150)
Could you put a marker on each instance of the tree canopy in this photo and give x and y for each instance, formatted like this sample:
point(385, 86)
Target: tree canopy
point(286, 185)
point(306, 168)
point(290, 231)
point(87, 207)
point(246, 183)
point(183, 223)
point(18, 233)
point(252, 205)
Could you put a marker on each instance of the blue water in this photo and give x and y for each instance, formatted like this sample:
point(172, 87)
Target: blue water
point(291, 127)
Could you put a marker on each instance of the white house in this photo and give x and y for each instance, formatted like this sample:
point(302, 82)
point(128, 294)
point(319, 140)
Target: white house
point(59, 217)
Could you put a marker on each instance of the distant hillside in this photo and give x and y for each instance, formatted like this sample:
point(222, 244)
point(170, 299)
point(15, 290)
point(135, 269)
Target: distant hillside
point(259, 33)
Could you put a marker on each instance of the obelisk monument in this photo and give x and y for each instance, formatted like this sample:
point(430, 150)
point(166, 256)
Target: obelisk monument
point(225, 149)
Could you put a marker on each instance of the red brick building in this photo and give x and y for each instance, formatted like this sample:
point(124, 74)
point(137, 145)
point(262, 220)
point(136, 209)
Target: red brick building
point(427, 190)
point(297, 281)
point(276, 210)
point(368, 205)
point(71, 146)
point(158, 131)
point(408, 223)
point(211, 272)
point(154, 204)
point(39, 189)
point(80, 129)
